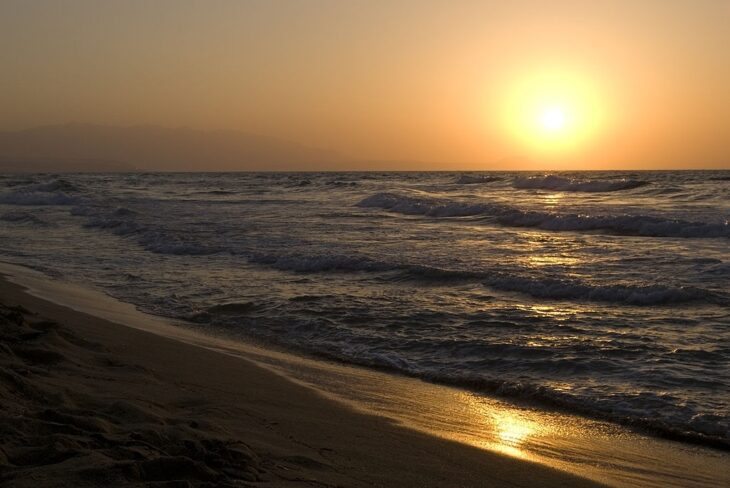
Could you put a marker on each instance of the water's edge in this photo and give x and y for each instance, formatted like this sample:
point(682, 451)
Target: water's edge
point(593, 449)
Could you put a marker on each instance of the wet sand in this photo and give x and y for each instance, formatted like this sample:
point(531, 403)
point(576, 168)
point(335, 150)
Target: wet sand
point(89, 402)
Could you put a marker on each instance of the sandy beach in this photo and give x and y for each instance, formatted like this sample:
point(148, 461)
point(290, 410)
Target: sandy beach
point(87, 402)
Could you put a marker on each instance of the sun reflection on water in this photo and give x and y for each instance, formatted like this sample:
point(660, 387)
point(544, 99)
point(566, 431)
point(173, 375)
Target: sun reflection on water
point(552, 199)
point(558, 313)
point(551, 260)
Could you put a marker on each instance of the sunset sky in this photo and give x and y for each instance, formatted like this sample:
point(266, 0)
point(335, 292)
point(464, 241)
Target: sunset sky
point(458, 85)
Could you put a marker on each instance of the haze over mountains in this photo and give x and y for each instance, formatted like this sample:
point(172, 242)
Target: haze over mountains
point(88, 147)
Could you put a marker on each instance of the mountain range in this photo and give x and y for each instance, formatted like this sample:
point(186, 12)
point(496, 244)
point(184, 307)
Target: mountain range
point(89, 147)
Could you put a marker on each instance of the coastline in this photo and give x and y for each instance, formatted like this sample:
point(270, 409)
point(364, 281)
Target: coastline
point(290, 435)
point(407, 430)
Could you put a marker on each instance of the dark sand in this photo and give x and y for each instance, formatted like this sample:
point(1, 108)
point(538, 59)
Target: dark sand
point(87, 402)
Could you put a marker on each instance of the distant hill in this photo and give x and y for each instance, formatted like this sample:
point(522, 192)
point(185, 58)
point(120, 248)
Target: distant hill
point(87, 147)
point(35, 165)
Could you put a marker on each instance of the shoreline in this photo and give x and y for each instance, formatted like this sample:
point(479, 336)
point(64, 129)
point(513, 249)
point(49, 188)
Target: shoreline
point(282, 433)
point(504, 433)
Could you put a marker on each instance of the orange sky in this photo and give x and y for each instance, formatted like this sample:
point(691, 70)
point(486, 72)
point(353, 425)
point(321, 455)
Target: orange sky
point(643, 84)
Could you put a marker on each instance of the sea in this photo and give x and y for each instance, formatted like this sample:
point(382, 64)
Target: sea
point(601, 293)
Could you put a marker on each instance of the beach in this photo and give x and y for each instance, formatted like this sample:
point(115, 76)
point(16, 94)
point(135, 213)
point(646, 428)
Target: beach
point(96, 392)
point(365, 244)
point(602, 293)
point(87, 402)
point(401, 310)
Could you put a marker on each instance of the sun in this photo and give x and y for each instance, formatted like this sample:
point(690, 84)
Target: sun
point(554, 112)
point(553, 119)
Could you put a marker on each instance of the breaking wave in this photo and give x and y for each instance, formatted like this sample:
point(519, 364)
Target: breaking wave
point(557, 183)
point(506, 215)
point(547, 288)
point(121, 222)
point(472, 180)
point(625, 409)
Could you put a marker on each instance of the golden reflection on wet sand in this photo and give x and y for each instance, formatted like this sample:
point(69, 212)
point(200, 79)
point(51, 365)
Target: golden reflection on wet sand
point(598, 450)
point(503, 431)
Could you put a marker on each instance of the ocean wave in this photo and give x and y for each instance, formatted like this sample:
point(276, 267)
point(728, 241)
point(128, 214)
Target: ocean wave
point(176, 245)
point(547, 288)
point(122, 222)
point(552, 288)
point(472, 180)
point(59, 185)
point(637, 410)
point(225, 311)
point(119, 221)
point(123, 212)
point(630, 294)
point(341, 183)
point(215, 192)
point(721, 269)
point(318, 262)
point(37, 198)
point(98, 211)
point(506, 215)
point(235, 308)
point(299, 183)
point(488, 360)
point(557, 183)
point(22, 218)
point(431, 207)
point(117, 227)
point(85, 211)
point(641, 225)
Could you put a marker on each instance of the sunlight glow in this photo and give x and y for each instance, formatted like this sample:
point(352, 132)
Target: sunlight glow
point(512, 430)
point(553, 119)
point(553, 111)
